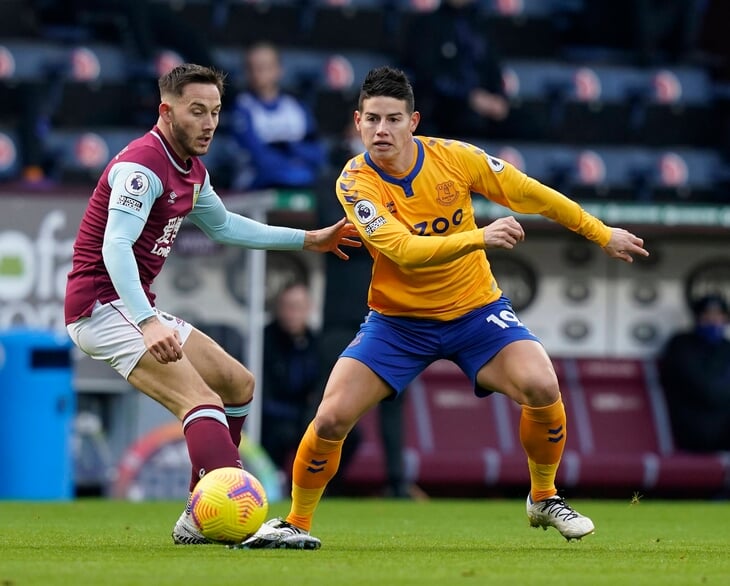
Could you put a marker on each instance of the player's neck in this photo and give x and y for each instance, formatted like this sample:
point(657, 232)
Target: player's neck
point(399, 165)
point(179, 152)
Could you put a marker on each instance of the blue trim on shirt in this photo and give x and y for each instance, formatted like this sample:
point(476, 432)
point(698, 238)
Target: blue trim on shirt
point(404, 183)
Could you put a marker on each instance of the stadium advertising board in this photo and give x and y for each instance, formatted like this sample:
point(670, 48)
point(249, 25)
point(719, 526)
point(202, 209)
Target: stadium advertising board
point(36, 242)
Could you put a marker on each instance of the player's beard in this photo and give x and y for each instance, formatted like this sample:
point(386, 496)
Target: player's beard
point(186, 141)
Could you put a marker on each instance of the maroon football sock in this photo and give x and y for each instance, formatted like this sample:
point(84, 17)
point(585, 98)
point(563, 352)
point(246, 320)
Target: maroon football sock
point(236, 414)
point(209, 441)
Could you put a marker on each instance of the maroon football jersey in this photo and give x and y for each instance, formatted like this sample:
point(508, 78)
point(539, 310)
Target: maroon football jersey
point(153, 176)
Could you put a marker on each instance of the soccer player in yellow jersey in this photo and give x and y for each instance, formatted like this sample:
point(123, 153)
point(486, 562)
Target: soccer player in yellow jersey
point(433, 296)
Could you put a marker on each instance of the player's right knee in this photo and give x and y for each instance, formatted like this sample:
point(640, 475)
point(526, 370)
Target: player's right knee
point(331, 427)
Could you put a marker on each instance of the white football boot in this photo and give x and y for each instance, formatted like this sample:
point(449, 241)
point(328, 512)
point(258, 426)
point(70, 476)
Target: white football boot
point(555, 512)
point(186, 530)
point(278, 534)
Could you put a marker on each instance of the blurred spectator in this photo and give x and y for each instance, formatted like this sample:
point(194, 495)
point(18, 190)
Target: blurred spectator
point(457, 75)
point(348, 145)
point(695, 373)
point(391, 435)
point(33, 126)
point(293, 374)
point(276, 131)
point(141, 27)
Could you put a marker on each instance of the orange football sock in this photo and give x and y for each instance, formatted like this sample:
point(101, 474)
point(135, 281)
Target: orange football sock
point(314, 466)
point(542, 433)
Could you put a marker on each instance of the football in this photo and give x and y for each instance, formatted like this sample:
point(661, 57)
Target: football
point(229, 505)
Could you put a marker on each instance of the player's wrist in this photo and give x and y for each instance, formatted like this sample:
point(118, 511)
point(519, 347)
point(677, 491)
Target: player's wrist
point(146, 321)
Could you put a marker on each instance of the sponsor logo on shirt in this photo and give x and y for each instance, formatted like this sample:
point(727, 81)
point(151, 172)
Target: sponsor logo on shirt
point(137, 183)
point(129, 202)
point(374, 225)
point(163, 244)
point(364, 211)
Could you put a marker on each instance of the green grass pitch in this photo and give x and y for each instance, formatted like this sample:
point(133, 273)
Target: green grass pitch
point(372, 542)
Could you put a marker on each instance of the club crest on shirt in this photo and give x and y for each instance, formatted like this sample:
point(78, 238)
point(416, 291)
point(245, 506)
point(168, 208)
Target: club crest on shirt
point(496, 164)
point(364, 211)
point(137, 183)
point(446, 193)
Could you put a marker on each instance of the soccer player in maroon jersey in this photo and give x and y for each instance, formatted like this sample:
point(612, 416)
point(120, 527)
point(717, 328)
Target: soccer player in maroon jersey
point(127, 232)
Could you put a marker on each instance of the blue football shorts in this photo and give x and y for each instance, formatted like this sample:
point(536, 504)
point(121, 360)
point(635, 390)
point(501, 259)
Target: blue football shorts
point(398, 349)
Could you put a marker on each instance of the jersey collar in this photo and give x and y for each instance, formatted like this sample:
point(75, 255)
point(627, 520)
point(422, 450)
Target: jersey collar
point(182, 166)
point(404, 183)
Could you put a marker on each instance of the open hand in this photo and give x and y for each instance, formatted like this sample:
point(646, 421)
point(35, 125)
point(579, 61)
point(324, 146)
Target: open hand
point(330, 239)
point(624, 245)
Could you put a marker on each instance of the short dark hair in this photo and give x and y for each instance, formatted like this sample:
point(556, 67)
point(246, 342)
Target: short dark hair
point(388, 82)
point(707, 302)
point(175, 80)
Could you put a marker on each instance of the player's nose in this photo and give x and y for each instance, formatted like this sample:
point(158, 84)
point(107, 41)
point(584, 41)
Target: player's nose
point(210, 122)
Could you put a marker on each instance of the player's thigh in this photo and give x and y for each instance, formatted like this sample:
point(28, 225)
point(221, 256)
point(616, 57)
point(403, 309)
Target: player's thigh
point(522, 370)
point(175, 385)
point(352, 389)
point(221, 372)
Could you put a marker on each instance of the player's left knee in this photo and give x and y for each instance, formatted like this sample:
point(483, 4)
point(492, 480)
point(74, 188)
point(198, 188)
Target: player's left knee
point(540, 391)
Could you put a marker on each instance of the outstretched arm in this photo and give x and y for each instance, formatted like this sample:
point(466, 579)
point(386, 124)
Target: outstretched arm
point(506, 232)
point(221, 225)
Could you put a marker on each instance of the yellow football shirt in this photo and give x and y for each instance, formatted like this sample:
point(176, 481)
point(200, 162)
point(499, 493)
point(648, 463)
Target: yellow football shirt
point(428, 252)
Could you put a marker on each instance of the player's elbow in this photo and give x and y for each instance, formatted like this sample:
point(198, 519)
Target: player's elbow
point(113, 245)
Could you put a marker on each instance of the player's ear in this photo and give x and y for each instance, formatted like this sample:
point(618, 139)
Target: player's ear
point(165, 111)
point(415, 120)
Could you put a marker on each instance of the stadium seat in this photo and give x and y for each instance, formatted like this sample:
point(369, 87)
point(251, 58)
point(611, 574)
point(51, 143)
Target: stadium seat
point(626, 172)
point(80, 155)
point(551, 164)
point(687, 174)
point(674, 106)
point(612, 172)
point(336, 95)
point(612, 104)
point(10, 155)
point(619, 438)
point(26, 60)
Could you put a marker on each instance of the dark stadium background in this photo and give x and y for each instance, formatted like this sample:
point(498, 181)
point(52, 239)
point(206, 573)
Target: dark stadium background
point(641, 141)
